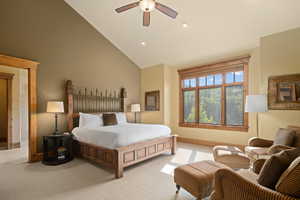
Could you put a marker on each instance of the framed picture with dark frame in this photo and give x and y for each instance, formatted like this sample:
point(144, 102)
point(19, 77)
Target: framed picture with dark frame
point(152, 101)
point(284, 92)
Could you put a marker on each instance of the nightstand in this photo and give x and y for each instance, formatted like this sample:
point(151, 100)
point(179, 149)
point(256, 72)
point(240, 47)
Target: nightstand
point(57, 149)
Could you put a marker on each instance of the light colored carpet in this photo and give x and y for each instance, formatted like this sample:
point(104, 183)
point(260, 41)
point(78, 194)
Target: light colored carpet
point(79, 179)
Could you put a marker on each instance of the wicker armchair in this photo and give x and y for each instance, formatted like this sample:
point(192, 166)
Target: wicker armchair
point(231, 185)
point(262, 148)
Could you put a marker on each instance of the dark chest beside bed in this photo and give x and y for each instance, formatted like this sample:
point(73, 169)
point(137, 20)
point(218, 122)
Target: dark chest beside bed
point(57, 149)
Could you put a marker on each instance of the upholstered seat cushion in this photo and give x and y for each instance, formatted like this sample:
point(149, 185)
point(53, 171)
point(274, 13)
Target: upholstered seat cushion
point(231, 156)
point(248, 174)
point(197, 178)
point(256, 150)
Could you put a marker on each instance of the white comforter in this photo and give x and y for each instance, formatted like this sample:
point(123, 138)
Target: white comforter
point(120, 135)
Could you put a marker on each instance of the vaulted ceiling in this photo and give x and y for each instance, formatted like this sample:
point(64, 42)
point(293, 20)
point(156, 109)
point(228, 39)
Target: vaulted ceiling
point(214, 27)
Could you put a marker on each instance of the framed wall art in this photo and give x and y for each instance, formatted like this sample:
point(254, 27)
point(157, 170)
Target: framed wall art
point(152, 101)
point(284, 92)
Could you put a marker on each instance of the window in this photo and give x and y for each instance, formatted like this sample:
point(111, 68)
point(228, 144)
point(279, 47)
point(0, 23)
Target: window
point(213, 96)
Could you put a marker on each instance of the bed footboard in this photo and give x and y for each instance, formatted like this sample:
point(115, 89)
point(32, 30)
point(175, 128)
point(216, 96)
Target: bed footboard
point(122, 157)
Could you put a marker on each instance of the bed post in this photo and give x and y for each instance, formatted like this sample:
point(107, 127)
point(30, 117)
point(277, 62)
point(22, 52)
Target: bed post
point(70, 102)
point(123, 95)
point(119, 164)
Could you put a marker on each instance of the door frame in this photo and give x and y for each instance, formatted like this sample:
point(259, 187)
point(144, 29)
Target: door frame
point(8, 77)
point(31, 67)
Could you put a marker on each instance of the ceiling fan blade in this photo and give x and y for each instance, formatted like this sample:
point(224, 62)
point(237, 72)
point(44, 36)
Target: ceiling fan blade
point(146, 19)
point(166, 10)
point(127, 7)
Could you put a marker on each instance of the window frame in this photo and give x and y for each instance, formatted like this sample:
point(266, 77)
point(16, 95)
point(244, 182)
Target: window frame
point(240, 64)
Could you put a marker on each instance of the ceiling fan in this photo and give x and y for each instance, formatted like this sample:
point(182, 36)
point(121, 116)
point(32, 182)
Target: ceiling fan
point(148, 6)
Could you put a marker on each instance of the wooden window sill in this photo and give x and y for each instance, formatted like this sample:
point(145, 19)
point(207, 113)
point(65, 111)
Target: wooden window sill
point(216, 127)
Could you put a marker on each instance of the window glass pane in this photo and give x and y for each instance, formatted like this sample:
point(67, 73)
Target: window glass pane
point(189, 106)
point(230, 77)
point(218, 79)
point(193, 82)
point(235, 105)
point(188, 83)
point(210, 80)
point(239, 76)
point(202, 81)
point(210, 105)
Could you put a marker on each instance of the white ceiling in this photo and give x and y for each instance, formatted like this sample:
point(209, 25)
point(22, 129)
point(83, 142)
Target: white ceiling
point(216, 27)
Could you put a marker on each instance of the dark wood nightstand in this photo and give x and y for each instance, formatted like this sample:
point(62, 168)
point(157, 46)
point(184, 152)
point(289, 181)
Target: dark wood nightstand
point(57, 149)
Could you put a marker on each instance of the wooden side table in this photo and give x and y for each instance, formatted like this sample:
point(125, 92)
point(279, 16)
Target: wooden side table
point(57, 149)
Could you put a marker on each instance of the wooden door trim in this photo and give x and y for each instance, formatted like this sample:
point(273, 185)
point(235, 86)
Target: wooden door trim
point(31, 66)
point(9, 78)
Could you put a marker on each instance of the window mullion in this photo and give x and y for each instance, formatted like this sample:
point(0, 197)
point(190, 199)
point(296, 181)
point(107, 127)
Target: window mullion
point(197, 106)
point(223, 103)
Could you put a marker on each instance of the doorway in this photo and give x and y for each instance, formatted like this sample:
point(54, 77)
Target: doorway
point(5, 110)
point(31, 68)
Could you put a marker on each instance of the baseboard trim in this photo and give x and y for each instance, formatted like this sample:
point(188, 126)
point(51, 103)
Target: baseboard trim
point(207, 143)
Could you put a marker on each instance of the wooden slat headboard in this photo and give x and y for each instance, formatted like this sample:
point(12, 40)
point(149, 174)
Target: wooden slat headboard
point(91, 101)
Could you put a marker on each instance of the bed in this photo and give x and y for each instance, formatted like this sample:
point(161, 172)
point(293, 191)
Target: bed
point(118, 146)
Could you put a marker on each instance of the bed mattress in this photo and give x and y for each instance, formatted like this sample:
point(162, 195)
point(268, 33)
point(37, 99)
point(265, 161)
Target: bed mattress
point(120, 135)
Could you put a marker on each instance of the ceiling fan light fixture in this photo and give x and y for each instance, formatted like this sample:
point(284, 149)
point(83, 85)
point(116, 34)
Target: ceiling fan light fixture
point(147, 5)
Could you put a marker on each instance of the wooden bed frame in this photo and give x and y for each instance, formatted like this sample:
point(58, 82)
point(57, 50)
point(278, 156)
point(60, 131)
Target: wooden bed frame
point(93, 101)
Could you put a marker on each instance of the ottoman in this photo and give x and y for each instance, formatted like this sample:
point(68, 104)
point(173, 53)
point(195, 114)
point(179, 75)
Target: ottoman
point(197, 178)
point(231, 156)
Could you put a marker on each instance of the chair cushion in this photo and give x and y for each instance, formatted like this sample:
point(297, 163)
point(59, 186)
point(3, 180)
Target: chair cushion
point(248, 174)
point(297, 135)
point(284, 137)
point(231, 156)
point(275, 166)
point(109, 119)
point(289, 182)
point(256, 150)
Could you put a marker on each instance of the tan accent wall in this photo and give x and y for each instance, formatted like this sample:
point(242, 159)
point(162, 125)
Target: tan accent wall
point(152, 78)
point(3, 109)
point(67, 47)
point(280, 55)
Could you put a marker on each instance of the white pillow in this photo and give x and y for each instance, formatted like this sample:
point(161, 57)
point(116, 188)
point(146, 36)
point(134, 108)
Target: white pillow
point(90, 120)
point(121, 118)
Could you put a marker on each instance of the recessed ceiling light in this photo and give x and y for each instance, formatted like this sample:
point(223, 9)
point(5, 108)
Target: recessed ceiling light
point(184, 25)
point(143, 43)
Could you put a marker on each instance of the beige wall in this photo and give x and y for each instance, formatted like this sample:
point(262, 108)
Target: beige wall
point(67, 47)
point(280, 55)
point(152, 78)
point(19, 100)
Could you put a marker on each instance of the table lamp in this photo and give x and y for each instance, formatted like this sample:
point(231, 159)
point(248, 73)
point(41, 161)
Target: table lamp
point(135, 108)
point(55, 107)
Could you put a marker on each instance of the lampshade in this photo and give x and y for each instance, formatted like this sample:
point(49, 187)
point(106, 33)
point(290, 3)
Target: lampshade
point(55, 107)
point(135, 108)
point(256, 103)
